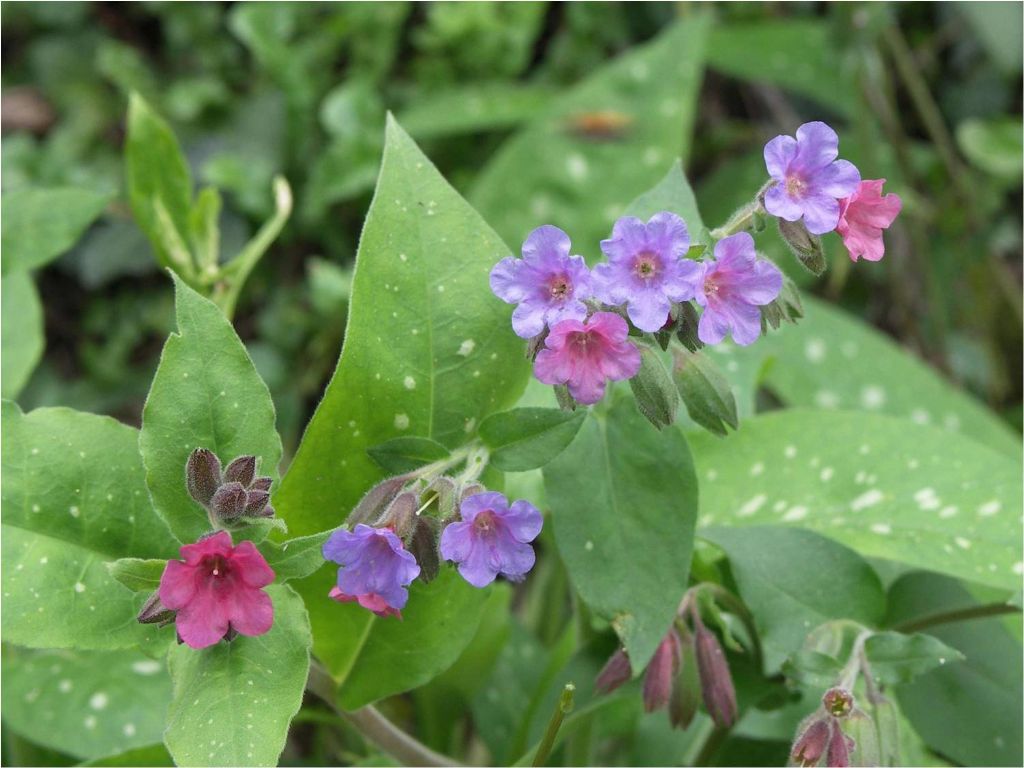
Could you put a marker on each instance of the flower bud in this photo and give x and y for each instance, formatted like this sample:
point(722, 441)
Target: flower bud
point(400, 515)
point(202, 475)
point(661, 673)
point(705, 391)
point(805, 246)
point(471, 489)
point(535, 345)
point(441, 494)
point(376, 500)
point(686, 327)
point(715, 678)
point(865, 748)
point(838, 702)
point(839, 747)
point(682, 707)
point(155, 612)
point(887, 725)
point(811, 744)
point(241, 470)
point(260, 484)
point(228, 503)
point(256, 504)
point(423, 546)
point(565, 401)
point(616, 672)
point(656, 395)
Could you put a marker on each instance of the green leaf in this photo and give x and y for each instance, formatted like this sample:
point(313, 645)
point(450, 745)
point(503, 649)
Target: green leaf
point(159, 183)
point(830, 360)
point(474, 107)
point(89, 704)
point(995, 146)
point(74, 498)
point(528, 438)
point(152, 755)
point(233, 702)
point(793, 580)
point(383, 657)
point(796, 54)
point(296, 558)
point(136, 574)
point(673, 193)
point(404, 454)
point(206, 394)
point(898, 658)
point(998, 28)
point(38, 225)
point(22, 329)
point(969, 712)
point(882, 486)
point(623, 501)
point(558, 169)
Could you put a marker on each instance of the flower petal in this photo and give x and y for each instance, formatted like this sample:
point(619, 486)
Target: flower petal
point(778, 154)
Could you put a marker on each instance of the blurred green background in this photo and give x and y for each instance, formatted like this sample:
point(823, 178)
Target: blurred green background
point(925, 95)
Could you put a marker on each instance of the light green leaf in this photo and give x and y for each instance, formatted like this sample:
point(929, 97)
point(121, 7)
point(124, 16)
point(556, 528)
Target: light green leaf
point(673, 193)
point(557, 169)
point(623, 494)
point(830, 360)
point(206, 394)
point(528, 438)
point(883, 486)
point(393, 656)
point(74, 498)
point(22, 329)
point(796, 54)
point(995, 146)
point(898, 658)
point(88, 704)
point(473, 108)
point(998, 28)
point(158, 176)
point(38, 225)
point(152, 755)
point(233, 702)
point(793, 580)
point(404, 454)
point(137, 574)
point(297, 558)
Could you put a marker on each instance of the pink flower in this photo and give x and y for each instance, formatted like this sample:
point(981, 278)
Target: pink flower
point(585, 355)
point(862, 217)
point(218, 588)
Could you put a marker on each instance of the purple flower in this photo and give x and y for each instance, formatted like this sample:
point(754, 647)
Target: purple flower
point(734, 284)
point(809, 181)
point(492, 538)
point(584, 355)
point(647, 268)
point(375, 569)
point(547, 283)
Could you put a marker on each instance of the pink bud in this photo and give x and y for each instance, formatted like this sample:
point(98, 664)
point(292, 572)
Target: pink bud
point(615, 673)
point(811, 744)
point(839, 747)
point(661, 673)
point(715, 678)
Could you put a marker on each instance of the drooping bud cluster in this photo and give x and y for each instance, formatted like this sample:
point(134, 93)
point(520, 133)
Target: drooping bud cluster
point(822, 735)
point(407, 525)
point(688, 665)
point(231, 495)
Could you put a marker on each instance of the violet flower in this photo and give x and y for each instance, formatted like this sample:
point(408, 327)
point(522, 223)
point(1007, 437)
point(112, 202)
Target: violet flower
point(375, 569)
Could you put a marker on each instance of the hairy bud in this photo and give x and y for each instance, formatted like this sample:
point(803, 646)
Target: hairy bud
point(838, 702)
point(839, 747)
point(706, 392)
point(155, 612)
point(471, 489)
point(655, 393)
point(866, 747)
point(615, 672)
point(686, 327)
point(256, 504)
point(811, 744)
point(423, 545)
point(228, 503)
point(376, 500)
point(260, 484)
point(241, 470)
point(682, 707)
point(202, 475)
point(805, 246)
point(715, 678)
point(661, 673)
point(441, 494)
point(565, 401)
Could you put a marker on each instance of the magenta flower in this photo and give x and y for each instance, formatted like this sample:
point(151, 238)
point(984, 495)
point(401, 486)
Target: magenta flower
point(734, 284)
point(216, 589)
point(585, 355)
point(809, 181)
point(647, 268)
point(548, 284)
point(492, 538)
point(375, 569)
point(862, 217)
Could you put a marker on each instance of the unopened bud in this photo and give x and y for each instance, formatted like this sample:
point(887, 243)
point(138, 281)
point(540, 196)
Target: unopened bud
point(838, 702)
point(400, 514)
point(616, 672)
point(471, 489)
point(708, 397)
point(715, 678)
point(686, 327)
point(535, 345)
point(661, 673)
point(682, 707)
point(241, 470)
point(441, 493)
point(228, 503)
point(256, 504)
point(423, 547)
point(865, 748)
point(810, 745)
point(887, 724)
point(655, 393)
point(260, 484)
point(155, 612)
point(805, 246)
point(202, 475)
point(565, 401)
point(839, 747)
point(376, 500)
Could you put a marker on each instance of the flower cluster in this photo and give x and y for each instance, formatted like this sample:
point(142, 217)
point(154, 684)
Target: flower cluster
point(821, 735)
point(482, 534)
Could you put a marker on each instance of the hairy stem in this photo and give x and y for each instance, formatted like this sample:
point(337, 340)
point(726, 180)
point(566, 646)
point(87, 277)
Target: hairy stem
point(962, 614)
point(375, 727)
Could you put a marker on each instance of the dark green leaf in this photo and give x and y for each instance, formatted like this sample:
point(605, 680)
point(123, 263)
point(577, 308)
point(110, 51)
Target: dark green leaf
point(528, 438)
point(39, 225)
point(898, 658)
point(673, 193)
point(404, 454)
point(623, 503)
point(22, 331)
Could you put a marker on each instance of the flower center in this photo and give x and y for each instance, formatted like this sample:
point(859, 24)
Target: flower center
point(216, 566)
point(795, 186)
point(484, 523)
point(559, 287)
point(711, 286)
point(646, 265)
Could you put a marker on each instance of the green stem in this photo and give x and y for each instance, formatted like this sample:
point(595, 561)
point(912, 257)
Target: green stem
point(563, 708)
point(710, 746)
point(949, 617)
point(374, 726)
